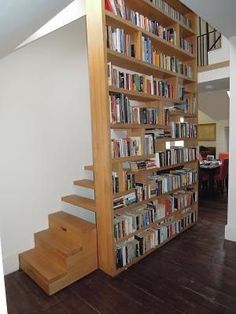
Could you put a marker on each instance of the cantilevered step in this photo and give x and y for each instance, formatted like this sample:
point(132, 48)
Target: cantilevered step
point(80, 201)
point(85, 183)
point(89, 168)
point(58, 241)
point(42, 267)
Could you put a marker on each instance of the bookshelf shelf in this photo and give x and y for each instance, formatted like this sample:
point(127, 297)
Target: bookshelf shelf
point(141, 96)
point(124, 126)
point(164, 45)
point(174, 166)
point(117, 47)
point(177, 213)
point(134, 64)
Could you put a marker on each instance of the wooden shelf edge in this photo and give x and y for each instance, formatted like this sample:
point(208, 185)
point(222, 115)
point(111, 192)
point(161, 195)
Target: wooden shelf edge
point(147, 67)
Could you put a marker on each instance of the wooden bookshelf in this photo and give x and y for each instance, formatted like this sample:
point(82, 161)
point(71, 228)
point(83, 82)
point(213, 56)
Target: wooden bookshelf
point(103, 129)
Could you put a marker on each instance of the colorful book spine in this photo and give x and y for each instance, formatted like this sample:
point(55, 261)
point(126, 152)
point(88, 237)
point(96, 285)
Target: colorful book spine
point(126, 147)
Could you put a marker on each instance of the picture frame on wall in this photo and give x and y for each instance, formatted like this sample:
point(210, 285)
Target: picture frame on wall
point(207, 132)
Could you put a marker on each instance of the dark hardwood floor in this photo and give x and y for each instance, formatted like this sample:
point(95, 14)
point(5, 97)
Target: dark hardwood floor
point(195, 273)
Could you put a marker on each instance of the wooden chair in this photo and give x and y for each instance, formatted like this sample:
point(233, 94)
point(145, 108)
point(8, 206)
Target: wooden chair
point(223, 155)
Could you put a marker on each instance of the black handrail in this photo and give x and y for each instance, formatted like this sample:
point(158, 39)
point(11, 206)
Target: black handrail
point(205, 44)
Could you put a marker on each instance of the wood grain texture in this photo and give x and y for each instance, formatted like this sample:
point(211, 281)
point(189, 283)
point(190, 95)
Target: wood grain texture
point(195, 273)
point(100, 132)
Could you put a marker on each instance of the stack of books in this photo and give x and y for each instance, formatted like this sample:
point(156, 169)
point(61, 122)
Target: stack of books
point(125, 200)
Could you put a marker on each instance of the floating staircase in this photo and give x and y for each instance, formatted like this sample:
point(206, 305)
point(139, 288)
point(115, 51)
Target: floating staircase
point(65, 252)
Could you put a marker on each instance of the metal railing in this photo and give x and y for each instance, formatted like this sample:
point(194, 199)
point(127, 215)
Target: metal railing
point(207, 41)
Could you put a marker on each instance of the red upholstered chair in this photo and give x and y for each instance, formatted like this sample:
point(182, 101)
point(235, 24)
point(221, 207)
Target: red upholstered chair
point(221, 177)
point(223, 155)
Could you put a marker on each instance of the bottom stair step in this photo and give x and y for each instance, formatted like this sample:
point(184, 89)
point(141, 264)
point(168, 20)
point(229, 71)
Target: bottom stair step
point(42, 267)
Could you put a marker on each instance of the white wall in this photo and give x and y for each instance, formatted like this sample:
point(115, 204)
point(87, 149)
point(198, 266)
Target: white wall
point(44, 133)
point(230, 230)
point(221, 54)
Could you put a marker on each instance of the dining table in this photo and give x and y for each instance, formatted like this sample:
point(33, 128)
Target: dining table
point(210, 168)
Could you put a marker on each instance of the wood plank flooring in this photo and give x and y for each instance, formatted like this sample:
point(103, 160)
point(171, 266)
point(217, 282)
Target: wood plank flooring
point(195, 273)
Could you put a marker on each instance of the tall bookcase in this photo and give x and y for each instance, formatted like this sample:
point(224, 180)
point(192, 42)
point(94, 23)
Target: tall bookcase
point(132, 141)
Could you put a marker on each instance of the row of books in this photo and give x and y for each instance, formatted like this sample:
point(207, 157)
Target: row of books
point(126, 147)
point(157, 185)
point(133, 220)
point(152, 26)
point(169, 63)
point(118, 40)
point(137, 82)
point(119, 8)
point(186, 45)
point(151, 238)
point(179, 200)
point(175, 155)
point(182, 198)
point(183, 129)
point(168, 9)
point(123, 111)
point(173, 180)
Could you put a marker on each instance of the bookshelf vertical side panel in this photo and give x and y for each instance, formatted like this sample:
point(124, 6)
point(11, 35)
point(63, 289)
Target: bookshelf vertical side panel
point(96, 39)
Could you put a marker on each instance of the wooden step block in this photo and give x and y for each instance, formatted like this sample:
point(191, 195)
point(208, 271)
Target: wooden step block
point(58, 241)
point(85, 183)
point(89, 168)
point(42, 267)
point(80, 201)
point(70, 223)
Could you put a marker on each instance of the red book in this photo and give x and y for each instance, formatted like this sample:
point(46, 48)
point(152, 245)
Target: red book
point(108, 5)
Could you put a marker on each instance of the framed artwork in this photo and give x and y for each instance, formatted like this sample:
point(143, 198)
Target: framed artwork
point(207, 132)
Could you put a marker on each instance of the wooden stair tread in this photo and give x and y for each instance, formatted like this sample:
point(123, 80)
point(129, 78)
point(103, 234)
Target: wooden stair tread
point(42, 263)
point(89, 168)
point(85, 183)
point(77, 223)
point(60, 241)
point(80, 201)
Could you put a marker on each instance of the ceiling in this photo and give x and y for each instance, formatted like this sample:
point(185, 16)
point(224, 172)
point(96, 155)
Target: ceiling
point(21, 18)
point(214, 85)
point(219, 13)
